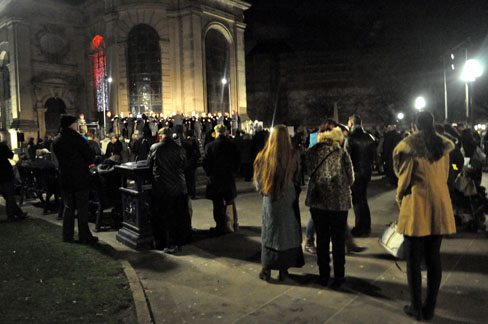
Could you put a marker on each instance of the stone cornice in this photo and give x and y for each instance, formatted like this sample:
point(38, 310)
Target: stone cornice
point(12, 20)
point(218, 13)
point(24, 124)
point(56, 79)
point(241, 25)
point(240, 4)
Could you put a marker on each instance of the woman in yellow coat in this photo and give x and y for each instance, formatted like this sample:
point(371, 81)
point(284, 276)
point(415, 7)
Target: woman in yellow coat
point(421, 162)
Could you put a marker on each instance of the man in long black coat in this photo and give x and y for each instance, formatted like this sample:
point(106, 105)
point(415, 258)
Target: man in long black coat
point(362, 148)
point(7, 184)
point(220, 163)
point(74, 156)
point(170, 216)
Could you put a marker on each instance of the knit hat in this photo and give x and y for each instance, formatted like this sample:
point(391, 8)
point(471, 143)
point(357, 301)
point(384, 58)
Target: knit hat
point(67, 120)
point(220, 129)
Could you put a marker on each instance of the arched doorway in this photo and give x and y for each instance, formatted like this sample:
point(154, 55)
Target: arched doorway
point(217, 72)
point(55, 107)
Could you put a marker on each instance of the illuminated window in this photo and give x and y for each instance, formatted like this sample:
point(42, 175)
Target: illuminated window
point(99, 63)
point(217, 72)
point(144, 69)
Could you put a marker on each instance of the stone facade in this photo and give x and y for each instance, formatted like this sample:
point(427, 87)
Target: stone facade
point(46, 53)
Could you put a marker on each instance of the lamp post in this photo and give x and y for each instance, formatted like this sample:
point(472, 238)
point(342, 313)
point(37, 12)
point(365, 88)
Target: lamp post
point(471, 71)
point(107, 82)
point(224, 82)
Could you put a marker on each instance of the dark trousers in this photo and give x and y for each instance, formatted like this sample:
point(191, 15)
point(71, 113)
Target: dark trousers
point(76, 201)
point(171, 220)
point(220, 212)
point(360, 205)
point(330, 225)
point(389, 171)
point(190, 181)
point(7, 190)
point(415, 248)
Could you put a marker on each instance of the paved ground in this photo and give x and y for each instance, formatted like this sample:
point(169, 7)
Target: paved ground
point(215, 280)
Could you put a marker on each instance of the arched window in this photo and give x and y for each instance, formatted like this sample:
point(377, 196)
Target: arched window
point(6, 100)
point(99, 64)
point(144, 69)
point(217, 72)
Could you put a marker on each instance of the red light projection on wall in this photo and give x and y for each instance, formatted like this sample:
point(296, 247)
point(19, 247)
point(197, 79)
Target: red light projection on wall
point(99, 62)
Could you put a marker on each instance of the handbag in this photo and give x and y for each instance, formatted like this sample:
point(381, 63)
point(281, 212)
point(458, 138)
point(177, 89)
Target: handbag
point(465, 184)
point(392, 241)
point(479, 156)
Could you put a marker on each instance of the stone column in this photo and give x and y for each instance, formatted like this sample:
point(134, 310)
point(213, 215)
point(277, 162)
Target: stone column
point(112, 66)
point(41, 117)
point(24, 108)
point(176, 62)
point(167, 85)
point(192, 62)
point(198, 102)
point(24, 116)
point(240, 104)
point(122, 79)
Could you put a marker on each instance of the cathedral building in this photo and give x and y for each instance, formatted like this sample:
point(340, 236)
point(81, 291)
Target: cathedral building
point(139, 56)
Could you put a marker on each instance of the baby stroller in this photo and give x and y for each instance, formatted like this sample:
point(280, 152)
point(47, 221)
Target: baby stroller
point(469, 200)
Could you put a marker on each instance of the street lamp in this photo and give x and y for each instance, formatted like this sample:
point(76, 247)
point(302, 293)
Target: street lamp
point(108, 80)
point(419, 103)
point(471, 71)
point(400, 116)
point(224, 81)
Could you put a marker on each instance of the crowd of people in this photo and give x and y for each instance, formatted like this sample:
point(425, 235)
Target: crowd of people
point(148, 125)
point(335, 161)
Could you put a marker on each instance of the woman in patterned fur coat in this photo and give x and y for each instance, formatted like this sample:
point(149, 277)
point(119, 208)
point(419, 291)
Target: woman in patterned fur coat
point(329, 199)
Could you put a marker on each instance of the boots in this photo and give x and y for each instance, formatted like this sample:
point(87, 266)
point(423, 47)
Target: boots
point(310, 246)
point(352, 247)
point(265, 274)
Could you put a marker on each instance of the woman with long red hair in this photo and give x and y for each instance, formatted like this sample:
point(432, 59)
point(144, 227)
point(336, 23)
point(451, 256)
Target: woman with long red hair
point(277, 178)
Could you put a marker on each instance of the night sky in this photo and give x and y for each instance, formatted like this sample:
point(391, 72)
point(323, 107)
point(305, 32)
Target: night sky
point(333, 24)
point(400, 39)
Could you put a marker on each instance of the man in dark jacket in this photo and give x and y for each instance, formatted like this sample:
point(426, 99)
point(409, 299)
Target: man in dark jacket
point(7, 184)
point(362, 149)
point(114, 147)
point(74, 156)
point(221, 162)
point(170, 216)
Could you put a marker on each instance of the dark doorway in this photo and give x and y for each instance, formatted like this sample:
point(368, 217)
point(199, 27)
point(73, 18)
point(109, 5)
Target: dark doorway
point(55, 107)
